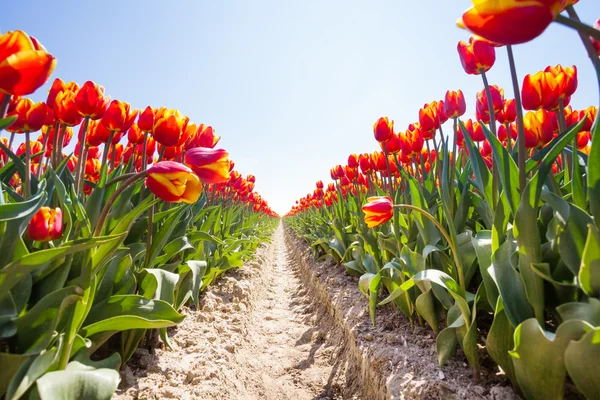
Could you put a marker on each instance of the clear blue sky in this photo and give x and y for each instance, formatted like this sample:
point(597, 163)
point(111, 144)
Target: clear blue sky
point(293, 87)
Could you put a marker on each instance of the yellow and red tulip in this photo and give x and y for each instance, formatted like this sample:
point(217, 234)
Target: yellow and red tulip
point(383, 129)
point(205, 137)
point(65, 108)
point(538, 128)
point(173, 182)
point(46, 225)
point(510, 21)
point(30, 116)
point(211, 165)
point(118, 117)
point(169, 126)
point(477, 56)
point(454, 104)
point(90, 100)
point(146, 120)
point(25, 65)
point(378, 210)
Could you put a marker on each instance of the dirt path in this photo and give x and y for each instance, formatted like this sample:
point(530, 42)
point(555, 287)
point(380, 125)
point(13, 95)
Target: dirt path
point(256, 336)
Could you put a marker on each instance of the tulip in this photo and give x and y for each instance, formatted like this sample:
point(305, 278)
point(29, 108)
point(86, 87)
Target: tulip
point(454, 104)
point(429, 121)
point(337, 172)
point(118, 117)
point(30, 116)
point(595, 41)
point(540, 90)
point(211, 166)
point(510, 21)
point(383, 129)
point(412, 141)
point(508, 112)
point(59, 86)
point(35, 147)
point(320, 185)
point(353, 161)
point(394, 145)
point(506, 129)
point(46, 225)
point(135, 134)
point(364, 161)
point(566, 78)
point(169, 126)
point(538, 129)
point(477, 56)
point(146, 119)
point(25, 65)
point(205, 137)
point(90, 101)
point(482, 103)
point(173, 182)
point(378, 210)
point(65, 109)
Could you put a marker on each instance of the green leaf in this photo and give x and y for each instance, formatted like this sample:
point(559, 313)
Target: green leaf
point(593, 173)
point(589, 272)
point(538, 357)
point(581, 361)
point(123, 312)
point(482, 242)
point(500, 341)
point(10, 365)
point(78, 382)
point(189, 288)
point(588, 312)
point(163, 235)
point(29, 372)
point(159, 284)
point(425, 305)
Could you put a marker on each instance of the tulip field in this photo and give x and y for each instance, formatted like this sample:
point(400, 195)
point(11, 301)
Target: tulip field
point(489, 230)
point(484, 230)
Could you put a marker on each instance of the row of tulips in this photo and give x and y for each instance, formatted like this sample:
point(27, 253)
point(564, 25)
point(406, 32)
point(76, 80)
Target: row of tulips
point(489, 235)
point(102, 246)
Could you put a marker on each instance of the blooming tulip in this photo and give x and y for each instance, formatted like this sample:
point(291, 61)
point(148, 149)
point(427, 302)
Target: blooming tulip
point(566, 78)
point(383, 129)
point(65, 109)
point(173, 182)
point(169, 125)
point(538, 129)
point(90, 100)
point(46, 225)
point(477, 56)
point(205, 137)
point(508, 112)
point(454, 104)
point(510, 21)
point(30, 116)
point(378, 210)
point(211, 166)
point(25, 65)
point(118, 117)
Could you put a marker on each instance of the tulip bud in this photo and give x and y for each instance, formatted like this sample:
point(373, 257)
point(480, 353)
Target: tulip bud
point(476, 56)
point(383, 129)
point(378, 211)
point(211, 166)
point(173, 182)
point(46, 225)
point(90, 100)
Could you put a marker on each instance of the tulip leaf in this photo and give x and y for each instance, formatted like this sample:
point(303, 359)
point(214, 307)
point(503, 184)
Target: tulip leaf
point(425, 305)
point(78, 381)
point(581, 361)
point(588, 312)
point(500, 341)
point(538, 357)
point(159, 284)
point(483, 176)
point(6, 122)
point(189, 288)
point(593, 172)
point(29, 372)
point(10, 366)
point(123, 312)
point(589, 272)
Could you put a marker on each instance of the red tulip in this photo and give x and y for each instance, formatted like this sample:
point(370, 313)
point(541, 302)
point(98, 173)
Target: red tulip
point(454, 105)
point(526, 19)
point(30, 116)
point(476, 56)
point(65, 108)
point(383, 129)
point(146, 119)
point(46, 225)
point(205, 137)
point(508, 112)
point(169, 126)
point(118, 117)
point(25, 65)
point(482, 103)
point(90, 100)
point(538, 129)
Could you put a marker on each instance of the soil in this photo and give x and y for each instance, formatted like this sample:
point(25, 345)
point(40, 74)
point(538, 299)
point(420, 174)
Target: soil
point(288, 327)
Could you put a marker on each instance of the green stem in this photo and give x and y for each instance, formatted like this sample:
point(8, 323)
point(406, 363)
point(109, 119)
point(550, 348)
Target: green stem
point(522, 156)
point(79, 165)
point(459, 268)
point(46, 138)
point(389, 170)
point(27, 186)
point(577, 25)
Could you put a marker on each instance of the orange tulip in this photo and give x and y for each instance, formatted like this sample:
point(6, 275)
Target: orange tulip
point(211, 166)
point(65, 109)
point(135, 134)
point(90, 100)
point(173, 182)
point(364, 161)
point(378, 210)
point(508, 112)
point(36, 147)
point(428, 119)
point(510, 21)
point(540, 90)
point(337, 172)
point(30, 116)
point(476, 56)
point(169, 126)
point(383, 129)
point(353, 161)
point(205, 137)
point(25, 65)
point(146, 119)
point(394, 145)
point(566, 78)
point(538, 129)
point(118, 117)
point(454, 105)
point(412, 141)
point(46, 225)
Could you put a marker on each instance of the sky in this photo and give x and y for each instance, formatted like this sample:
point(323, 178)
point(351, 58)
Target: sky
point(293, 87)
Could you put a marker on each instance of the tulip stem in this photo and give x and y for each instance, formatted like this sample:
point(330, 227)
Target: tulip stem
point(522, 156)
point(79, 165)
point(113, 198)
point(4, 105)
point(149, 235)
point(41, 162)
point(86, 150)
point(577, 25)
point(143, 160)
point(27, 186)
point(461, 277)
point(106, 151)
point(452, 168)
point(389, 170)
point(492, 114)
point(11, 140)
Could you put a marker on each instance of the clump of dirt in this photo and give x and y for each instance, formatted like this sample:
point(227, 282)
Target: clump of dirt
point(397, 360)
point(258, 334)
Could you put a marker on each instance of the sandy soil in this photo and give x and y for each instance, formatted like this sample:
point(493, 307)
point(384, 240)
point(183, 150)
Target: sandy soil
point(256, 336)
